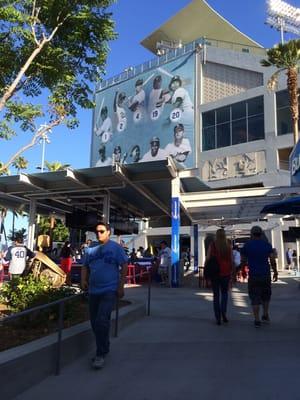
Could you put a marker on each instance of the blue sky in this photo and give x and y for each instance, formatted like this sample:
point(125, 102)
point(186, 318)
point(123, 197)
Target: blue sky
point(136, 19)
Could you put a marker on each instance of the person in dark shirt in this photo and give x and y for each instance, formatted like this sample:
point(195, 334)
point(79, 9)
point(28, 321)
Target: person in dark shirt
point(259, 255)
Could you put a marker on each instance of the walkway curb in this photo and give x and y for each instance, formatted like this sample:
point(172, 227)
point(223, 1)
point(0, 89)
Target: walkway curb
point(24, 366)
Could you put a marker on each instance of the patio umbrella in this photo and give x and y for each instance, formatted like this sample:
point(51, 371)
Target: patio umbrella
point(284, 207)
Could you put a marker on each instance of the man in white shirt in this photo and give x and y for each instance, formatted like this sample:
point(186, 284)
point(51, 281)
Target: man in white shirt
point(119, 110)
point(181, 147)
point(17, 256)
point(180, 98)
point(164, 268)
point(155, 153)
point(105, 130)
point(103, 160)
point(137, 102)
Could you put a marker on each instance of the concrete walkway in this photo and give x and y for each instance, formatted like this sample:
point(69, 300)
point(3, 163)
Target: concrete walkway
point(179, 353)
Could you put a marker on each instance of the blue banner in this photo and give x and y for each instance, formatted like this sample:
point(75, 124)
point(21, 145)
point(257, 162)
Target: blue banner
point(175, 242)
point(147, 118)
point(294, 164)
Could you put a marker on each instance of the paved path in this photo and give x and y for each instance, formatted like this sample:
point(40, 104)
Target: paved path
point(178, 353)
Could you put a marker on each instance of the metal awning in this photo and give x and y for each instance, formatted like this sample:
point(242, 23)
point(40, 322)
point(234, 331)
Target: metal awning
point(233, 206)
point(140, 190)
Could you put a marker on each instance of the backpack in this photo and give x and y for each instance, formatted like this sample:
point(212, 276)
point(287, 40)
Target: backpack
point(212, 268)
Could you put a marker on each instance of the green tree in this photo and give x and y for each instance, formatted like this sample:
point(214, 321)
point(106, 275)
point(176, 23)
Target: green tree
point(57, 48)
point(21, 233)
point(60, 232)
point(56, 166)
point(286, 57)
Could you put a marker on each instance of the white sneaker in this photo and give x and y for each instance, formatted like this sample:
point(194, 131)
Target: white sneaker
point(98, 362)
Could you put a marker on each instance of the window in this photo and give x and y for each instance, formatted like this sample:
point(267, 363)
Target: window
point(238, 123)
point(223, 135)
point(284, 117)
point(239, 131)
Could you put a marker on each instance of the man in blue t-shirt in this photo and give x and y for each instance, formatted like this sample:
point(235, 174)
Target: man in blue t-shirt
point(102, 276)
point(258, 252)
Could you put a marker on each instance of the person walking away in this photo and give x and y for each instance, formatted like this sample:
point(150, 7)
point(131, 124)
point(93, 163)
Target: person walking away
point(289, 258)
point(221, 249)
point(67, 256)
point(236, 256)
point(17, 255)
point(260, 256)
point(102, 277)
point(164, 262)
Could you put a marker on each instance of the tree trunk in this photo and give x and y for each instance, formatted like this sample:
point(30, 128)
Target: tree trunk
point(292, 84)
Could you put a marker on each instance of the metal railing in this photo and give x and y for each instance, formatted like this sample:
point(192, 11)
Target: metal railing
point(172, 54)
point(61, 307)
point(61, 310)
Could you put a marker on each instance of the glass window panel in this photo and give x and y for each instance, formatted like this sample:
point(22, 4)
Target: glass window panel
point(239, 131)
point(238, 110)
point(255, 106)
point(223, 135)
point(284, 121)
point(256, 129)
point(208, 118)
point(282, 99)
point(208, 138)
point(223, 115)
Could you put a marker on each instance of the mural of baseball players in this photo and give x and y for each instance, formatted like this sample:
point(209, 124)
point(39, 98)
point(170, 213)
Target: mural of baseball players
point(136, 103)
point(119, 110)
point(105, 129)
point(158, 102)
point(155, 153)
point(181, 147)
point(103, 160)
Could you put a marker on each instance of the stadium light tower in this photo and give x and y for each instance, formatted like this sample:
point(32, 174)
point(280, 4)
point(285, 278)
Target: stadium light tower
point(283, 17)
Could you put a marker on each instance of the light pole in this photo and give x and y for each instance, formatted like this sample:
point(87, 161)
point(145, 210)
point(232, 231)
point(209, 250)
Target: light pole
point(283, 17)
point(43, 140)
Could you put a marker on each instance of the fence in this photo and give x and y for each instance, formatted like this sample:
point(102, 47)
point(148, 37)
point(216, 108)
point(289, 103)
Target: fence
point(61, 310)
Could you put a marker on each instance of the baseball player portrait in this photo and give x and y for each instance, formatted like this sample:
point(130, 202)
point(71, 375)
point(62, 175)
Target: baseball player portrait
point(155, 153)
point(135, 153)
point(157, 98)
point(119, 110)
point(105, 130)
point(137, 102)
point(103, 160)
point(181, 147)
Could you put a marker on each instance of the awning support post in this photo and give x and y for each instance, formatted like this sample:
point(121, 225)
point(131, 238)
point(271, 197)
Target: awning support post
point(31, 223)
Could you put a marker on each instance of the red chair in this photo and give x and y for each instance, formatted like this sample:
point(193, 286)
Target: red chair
point(131, 274)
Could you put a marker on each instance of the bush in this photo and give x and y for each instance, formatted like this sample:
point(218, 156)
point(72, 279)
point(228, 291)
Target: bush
point(27, 292)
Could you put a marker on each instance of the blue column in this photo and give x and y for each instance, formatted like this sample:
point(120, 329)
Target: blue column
point(196, 250)
point(175, 241)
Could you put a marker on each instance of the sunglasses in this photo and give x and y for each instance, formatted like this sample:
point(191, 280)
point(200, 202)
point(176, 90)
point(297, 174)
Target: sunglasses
point(100, 231)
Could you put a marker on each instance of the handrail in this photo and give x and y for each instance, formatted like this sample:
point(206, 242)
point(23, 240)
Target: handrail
point(171, 54)
point(61, 305)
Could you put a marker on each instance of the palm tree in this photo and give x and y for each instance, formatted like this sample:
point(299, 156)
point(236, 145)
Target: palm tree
point(286, 57)
point(56, 166)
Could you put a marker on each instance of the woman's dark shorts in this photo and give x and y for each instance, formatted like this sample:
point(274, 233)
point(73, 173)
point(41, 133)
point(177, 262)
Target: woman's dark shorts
point(259, 289)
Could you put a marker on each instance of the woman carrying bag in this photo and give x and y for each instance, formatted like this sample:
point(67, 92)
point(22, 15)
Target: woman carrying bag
point(219, 260)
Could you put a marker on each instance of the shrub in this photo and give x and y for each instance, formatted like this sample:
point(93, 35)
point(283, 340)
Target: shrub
point(27, 292)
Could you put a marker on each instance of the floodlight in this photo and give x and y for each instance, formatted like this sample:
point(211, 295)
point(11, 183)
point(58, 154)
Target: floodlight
point(283, 17)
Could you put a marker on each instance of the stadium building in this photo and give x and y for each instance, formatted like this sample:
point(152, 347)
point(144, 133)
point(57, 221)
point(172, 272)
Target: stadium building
point(203, 101)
